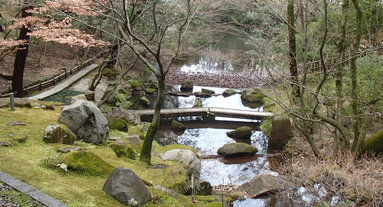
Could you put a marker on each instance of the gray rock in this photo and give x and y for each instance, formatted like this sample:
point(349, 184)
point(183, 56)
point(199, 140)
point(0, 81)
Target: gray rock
point(16, 123)
point(125, 186)
point(58, 133)
point(5, 144)
point(23, 102)
point(114, 138)
point(281, 132)
point(260, 185)
point(69, 149)
point(78, 97)
point(235, 149)
point(187, 158)
point(86, 121)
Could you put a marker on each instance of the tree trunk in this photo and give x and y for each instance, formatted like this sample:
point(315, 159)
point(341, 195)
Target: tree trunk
point(292, 49)
point(339, 77)
point(354, 84)
point(146, 152)
point(21, 57)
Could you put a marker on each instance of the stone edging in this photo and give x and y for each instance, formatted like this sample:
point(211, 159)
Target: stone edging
point(30, 191)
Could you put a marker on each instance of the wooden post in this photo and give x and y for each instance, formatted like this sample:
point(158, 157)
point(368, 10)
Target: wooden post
point(12, 101)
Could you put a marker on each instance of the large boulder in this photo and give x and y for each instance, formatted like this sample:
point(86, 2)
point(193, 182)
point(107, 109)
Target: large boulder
point(281, 132)
point(252, 97)
point(86, 121)
point(243, 132)
point(260, 185)
point(187, 86)
point(235, 149)
point(374, 144)
point(187, 158)
point(59, 133)
point(125, 186)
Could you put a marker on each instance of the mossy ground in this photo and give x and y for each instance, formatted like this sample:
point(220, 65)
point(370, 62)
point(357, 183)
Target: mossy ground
point(28, 162)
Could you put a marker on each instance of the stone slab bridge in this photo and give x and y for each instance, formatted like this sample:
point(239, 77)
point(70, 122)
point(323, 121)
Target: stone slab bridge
point(208, 113)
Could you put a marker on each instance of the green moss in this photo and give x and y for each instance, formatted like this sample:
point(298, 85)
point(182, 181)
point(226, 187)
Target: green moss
point(374, 143)
point(243, 132)
point(266, 126)
point(253, 95)
point(118, 124)
point(123, 150)
point(87, 163)
point(136, 84)
point(213, 204)
point(150, 90)
point(136, 130)
point(229, 92)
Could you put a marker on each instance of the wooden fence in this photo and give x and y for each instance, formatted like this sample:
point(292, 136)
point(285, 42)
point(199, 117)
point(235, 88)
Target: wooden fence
point(56, 79)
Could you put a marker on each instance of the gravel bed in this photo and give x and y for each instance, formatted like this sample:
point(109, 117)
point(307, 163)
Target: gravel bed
point(7, 200)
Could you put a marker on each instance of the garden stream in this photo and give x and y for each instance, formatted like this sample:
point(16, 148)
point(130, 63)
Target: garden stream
point(207, 137)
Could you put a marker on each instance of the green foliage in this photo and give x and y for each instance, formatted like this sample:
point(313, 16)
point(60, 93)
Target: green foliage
point(110, 72)
point(51, 159)
point(123, 101)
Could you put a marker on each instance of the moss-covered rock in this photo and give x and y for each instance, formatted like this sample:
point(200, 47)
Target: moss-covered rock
point(144, 101)
point(202, 94)
point(281, 132)
point(150, 90)
point(252, 97)
point(59, 133)
point(374, 144)
point(229, 92)
point(123, 149)
point(187, 86)
point(135, 84)
point(202, 188)
point(243, 132)
point(235, 149)
point(119, 124)
point(175, 146)
point(177, 126)
point(205, 90)
point(112, 99)
point(197, 102)
point(87, 163)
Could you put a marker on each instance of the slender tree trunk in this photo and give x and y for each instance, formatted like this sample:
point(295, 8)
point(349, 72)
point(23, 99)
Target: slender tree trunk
point(292, 49)
point(21, 57)
point(146, 152)
point(354, 78)
point(339, 76)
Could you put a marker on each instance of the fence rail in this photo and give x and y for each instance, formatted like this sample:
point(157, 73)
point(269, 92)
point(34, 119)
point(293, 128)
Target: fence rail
point(56, 79)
